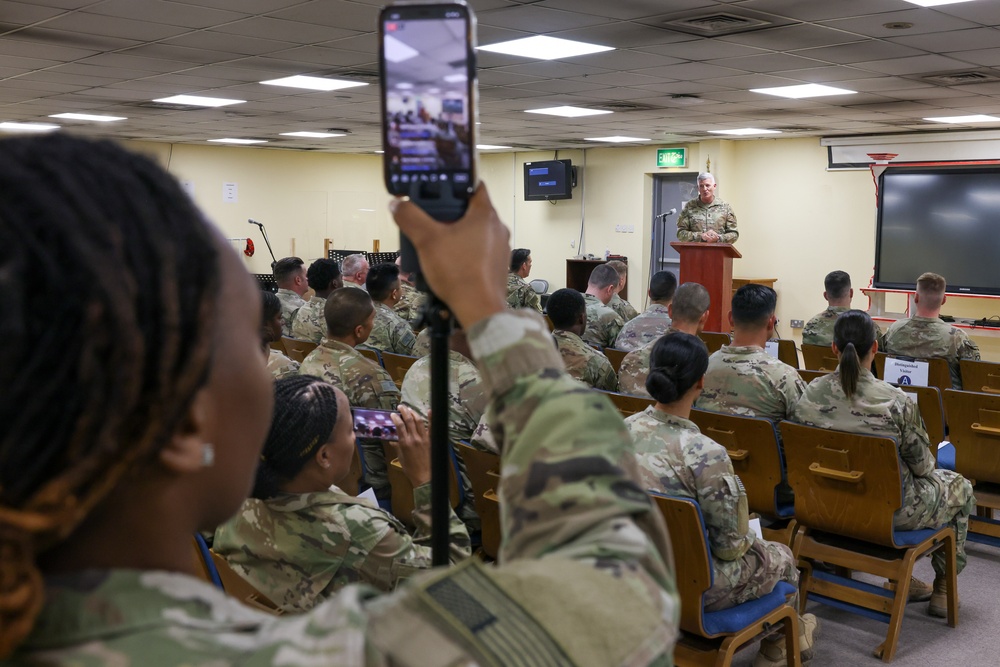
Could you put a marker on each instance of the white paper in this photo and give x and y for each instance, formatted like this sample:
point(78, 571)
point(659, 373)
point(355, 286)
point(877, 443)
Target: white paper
point(755, 526)
point(369, 494)
point(230, 192)
point(900, 371)
point(771, 347)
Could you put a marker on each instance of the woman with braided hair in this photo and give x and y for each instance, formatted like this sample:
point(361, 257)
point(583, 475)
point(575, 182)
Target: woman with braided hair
point(299, 538)
point(135, 407)
point(278, 364)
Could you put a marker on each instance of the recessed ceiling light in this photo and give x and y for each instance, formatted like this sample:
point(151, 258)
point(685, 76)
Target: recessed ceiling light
point(490, 147)
point(616, 139)
point(978, 118)
point(198, 101)
point(568, 112)
point(312, 135)
point(744, 131)
point(28, 127)
point(313, 83)
point(238, 141)
point(87, 116)
point(379, 152)
point(541, 47)
point(458, 77)
point(934, 3)
point(805, 90)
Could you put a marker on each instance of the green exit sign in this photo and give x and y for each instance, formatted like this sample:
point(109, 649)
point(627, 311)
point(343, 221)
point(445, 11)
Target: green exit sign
point(671, 157)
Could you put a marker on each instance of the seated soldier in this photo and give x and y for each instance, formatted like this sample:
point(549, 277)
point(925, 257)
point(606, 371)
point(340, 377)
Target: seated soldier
point(688, 312)
point(300, 538)
point(617, 303)
point(355, 270)
point(411, 303)
point(568, 312)
point(743, 379)
point(852, 399)
point(290, 275)
point(838, 294)
point(309, 321)
point(519, 293)
point(676, 459)
point(603, 324)
point(277, 363)
point(390, 332)
point(655, 320)
point(925, 336)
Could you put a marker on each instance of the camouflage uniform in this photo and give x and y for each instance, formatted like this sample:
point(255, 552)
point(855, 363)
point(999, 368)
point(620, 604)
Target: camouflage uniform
point(281, 366)
point(411, 305)
point(577, 475)
point(367, 385)
point(584, 362)
point(819, 330)
point(520, 294)
point(309, 321)
point(298, 549)
point(290, 302)
point(676, 459)
point(348, 283)
point(603, 324)
point(697, 218)
point(645, 328)
point(390, 332)
point(635, 367)
point(926, 337)
point(623, 308)
point(746, 380)
point(931, 497)
point(422, 344)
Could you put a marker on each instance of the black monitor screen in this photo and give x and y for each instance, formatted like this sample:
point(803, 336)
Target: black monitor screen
point(551, 179)
point(940, 219)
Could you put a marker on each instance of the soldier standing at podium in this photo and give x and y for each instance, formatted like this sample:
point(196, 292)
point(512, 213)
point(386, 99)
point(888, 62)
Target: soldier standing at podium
point(707, 218)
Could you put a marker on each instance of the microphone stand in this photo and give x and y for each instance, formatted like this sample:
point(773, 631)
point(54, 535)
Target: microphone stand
point(266, 242)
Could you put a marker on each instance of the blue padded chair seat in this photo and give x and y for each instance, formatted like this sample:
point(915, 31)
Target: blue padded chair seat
point(946, 457)
point(736, 618)
point(908, 538)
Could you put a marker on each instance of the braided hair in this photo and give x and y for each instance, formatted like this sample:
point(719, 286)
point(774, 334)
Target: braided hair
point(305, 412)
point(677, 361)
point(108, 283)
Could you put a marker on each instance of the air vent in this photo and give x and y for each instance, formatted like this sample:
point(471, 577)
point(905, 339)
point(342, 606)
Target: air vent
point(162, 105)
point(722, 23)
point(371, 76)
point(961, 78)
point(622, 107)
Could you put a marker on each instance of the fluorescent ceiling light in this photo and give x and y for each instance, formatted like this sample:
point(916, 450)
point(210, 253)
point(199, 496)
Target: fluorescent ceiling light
point(745, 131)
point(239, 141)
point(313, 83)
point(198, 101)
point(616, 139)
point(404, 85)
point(805, 90)
point(87, 116)
point(978, 118)
point(379, 152)
point(396, 51)
point(934, 3)
point(313, 135)
point(568, 112)
point(28, 127)
point(456, 78)
point(541, 47)
point(490, 147)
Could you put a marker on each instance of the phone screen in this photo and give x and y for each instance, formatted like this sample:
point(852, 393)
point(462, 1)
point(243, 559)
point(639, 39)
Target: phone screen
point(429, 97)
point(376, 424)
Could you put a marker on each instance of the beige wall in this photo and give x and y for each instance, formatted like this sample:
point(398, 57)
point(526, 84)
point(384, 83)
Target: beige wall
point(798, 221)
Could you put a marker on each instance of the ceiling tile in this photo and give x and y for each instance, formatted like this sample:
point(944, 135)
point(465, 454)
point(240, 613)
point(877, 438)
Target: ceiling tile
point(540, 19)
point(818, 11)
point(856, 52)
point(792, 37)
point(772, 62)
point(169, 13)
point(914, 65)
point(284, 30)
point(923, 21)
point(210, 40)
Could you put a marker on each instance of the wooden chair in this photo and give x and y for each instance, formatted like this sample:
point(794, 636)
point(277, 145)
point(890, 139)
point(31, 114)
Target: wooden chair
point(279, 345)
point(712, 638)
point(615, 356)
point(787, 352)
point(483, 469)
point(214, 569)
point(928, 400)
point(847, 488)
point(397, 365)
point(938, 374)
point(974, 430)
point(402, 489)
point(809, 376)
point(819, 358)
point(548, 322)
point(981, 376)
point(627, 404)
point(296, 349)
point(713, 340)
point(372, 354)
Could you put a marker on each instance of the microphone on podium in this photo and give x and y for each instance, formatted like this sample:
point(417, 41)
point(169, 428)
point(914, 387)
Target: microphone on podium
point(667, 213)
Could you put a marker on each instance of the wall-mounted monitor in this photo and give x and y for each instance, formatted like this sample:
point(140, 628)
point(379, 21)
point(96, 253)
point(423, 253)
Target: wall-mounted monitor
point(939, 218)
point(549, 180)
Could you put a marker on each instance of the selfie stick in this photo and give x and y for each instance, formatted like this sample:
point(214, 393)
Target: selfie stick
point(438, 317)
point(268, 243)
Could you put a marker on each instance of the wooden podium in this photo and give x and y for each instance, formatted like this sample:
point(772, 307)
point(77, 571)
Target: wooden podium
point(711, 265)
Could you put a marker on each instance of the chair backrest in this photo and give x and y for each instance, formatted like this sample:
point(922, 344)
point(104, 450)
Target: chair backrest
point(204, 565)
point(615, 356)
point(548, 322)
point(845, 483)
point(402, 489)
point(296, 349)
point(539, 285)
point(819, 358)
point(241, 589)
point(928, 400)
point(714, 340)
point(981, 376)
point(974, 429)
point(691, 556)
point(809, 376)
point(752, 443)
point(627, 404)
point(397, 365)
point(372, 354)
point(786, 351)
point(938, 374)
point(279, 345)
point(483, 470)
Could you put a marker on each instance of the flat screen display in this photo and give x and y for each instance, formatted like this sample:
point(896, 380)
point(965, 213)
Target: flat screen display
point(941, 219)
point(547, 180)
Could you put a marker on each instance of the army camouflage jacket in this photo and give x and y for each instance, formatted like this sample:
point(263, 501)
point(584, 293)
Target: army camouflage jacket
point(644, 328)
point(819, 330)
point(390, 332)
point(697, 218)
point(520, 294)
point(281, 366)
point(603, 324)
point(926, 337)
point(467, 396)
point(746, 380)
point(584, 362)
point(309, 321)
point(411, 304)
point(366, 384)
point(623, 308)
point(290, 302)
point(635, 368)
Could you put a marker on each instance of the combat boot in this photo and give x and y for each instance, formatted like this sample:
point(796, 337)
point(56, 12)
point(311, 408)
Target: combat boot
point(772, 649)
point(938, 606)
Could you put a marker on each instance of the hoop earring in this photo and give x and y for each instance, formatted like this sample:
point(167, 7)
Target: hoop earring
point(207, 455)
